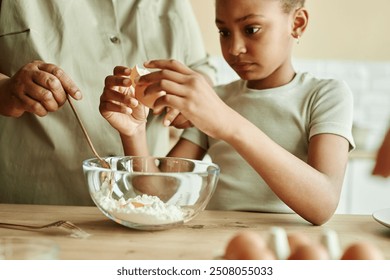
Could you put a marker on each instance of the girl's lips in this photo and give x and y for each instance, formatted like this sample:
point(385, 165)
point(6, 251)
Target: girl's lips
point(241, 66)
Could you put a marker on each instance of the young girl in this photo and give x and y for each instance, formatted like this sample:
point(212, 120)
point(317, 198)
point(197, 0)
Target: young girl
point(280, 137)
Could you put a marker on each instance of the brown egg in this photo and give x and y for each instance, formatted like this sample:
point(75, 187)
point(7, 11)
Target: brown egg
point(297, 239)
point(362, 251)
point(309, 251)
point(248, 245)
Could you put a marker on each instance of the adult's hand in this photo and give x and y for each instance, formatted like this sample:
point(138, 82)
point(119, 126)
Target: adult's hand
point(37, 88)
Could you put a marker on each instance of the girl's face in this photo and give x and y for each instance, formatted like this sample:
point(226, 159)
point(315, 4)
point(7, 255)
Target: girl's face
point(256, 40)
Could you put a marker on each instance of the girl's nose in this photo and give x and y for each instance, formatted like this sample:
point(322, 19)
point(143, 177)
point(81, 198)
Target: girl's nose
point(237, 46)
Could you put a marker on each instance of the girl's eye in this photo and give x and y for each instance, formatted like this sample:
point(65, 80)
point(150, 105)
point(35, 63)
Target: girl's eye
point(252, 30)
point(223, 33)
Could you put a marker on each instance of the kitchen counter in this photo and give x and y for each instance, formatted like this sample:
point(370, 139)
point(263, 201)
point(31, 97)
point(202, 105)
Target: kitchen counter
point(203, 238)
point(362, 154)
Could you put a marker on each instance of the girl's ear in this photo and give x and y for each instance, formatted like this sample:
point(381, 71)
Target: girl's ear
point(300, 20)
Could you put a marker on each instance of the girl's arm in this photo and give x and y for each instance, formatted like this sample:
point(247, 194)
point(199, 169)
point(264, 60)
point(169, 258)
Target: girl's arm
point(126, 114)
point(311, 189)
point(120, 108)
point(187, 149)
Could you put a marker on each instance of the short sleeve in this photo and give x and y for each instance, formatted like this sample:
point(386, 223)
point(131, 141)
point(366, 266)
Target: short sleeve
point(332, 111)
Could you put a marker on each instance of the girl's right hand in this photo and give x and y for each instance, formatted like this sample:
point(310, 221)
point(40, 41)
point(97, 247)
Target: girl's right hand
point(118, 104)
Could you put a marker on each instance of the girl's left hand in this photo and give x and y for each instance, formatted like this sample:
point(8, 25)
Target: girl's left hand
point(190, 93)
point(118, 104)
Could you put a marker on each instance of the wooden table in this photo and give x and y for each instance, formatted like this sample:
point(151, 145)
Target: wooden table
point(203, 238)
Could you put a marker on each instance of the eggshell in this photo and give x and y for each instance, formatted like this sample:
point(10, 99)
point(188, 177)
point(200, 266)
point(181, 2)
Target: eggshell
point(278, 243)
point(248, 245)
point(147, 100)
point(362, 251)
point(137, 72)
point(311, 251)
point(330, 240)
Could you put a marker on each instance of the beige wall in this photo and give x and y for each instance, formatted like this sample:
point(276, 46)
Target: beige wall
point(338, 29)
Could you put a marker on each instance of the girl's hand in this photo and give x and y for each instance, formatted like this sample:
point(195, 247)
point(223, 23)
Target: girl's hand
point(172, 116)
point(118, 104)
point(190, 93)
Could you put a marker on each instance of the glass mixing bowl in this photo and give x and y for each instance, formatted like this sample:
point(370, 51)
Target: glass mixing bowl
point(151, 193)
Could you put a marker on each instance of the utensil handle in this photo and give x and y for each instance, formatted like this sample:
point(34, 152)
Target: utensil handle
point(103, 162)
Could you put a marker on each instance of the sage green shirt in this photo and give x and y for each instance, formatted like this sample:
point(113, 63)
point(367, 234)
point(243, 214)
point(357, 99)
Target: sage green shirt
point(41, 158)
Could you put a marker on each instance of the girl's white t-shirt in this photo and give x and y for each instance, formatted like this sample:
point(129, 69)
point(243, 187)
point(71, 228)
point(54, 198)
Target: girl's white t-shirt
point(290, 115)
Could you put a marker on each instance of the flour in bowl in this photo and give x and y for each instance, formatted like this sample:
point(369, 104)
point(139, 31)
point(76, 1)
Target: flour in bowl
point(142, 209)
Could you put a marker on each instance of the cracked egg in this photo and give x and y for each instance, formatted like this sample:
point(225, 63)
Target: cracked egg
point(139, 91)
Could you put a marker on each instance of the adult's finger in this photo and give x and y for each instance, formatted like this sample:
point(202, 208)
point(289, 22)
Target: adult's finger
point(47, 89)
point(68, 85)
point(31, 105)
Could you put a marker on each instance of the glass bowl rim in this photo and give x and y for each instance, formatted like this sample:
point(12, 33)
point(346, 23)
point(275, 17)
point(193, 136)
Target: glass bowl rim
point(86, 165)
